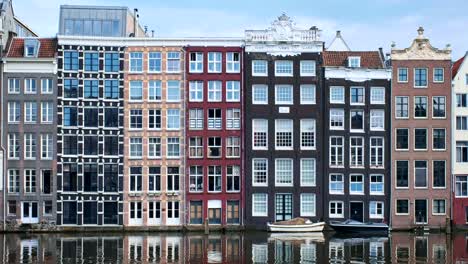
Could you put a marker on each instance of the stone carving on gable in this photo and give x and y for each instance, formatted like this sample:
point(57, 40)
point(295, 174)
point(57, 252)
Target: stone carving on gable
point(421, 49)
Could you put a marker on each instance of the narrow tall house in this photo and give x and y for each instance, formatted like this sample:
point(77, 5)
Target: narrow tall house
point(357, 132)
point(283, 123)
point(421, 132)
point(213, 133)
point(460, 140)
point(29, 113)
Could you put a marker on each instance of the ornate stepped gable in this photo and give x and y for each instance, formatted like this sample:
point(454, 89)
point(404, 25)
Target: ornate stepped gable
point(421, 49)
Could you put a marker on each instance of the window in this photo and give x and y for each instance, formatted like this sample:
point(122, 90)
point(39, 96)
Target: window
point(232, 62)
point(462, 123)
point(214, 62)
point(196, 118)
point(70, 60)
point(14, 112)
point(402, 107)
point(111, 177)
point(196, 91)
point(233, 217)
point(173, 119)
point(402, 139)
point(377, 95)
point(14, 86)
point(91, 61)
point(357, 96)
point(48, 207)
point(233, 118)
point(462, 151)
point(136, 147)
point(232, 91)
point(284, 94)
point(136, 90)
point(438, 107)
point(260, 133)
point(283, 134)
point(376, 210)
point(154, 90)
point(136, 62)
point(420, 173)
point(307, 68)
point(136, 118)
point(336, 151)
point(307, 133)
point(438, 75)
point(30, 112)
point(336, 185)
point(377, 120)
point(47, 112)
point(173, 62)
point(233, 148)
point(420, 138)
point(47, 146)
point(214, 147)
point(402, 207)
point(91, 117)
point(13, 146)
point(461, 186)
point(402, 74)
point(47, 86)
point(173, 91)
point(259, 68)
point(438, 173)
point(356, 184)
point(259, 94)
point(337, 95)
point(90, 177)
point(307, 94)
point(196, 62)
point(283, 68)
point(173, 147)
point(12, 207)
point(402, 173)
point(154, 119)
point(259, 204)
point(29, 146)
point(70, 145)
point(420, 77)
point(29, 181)
point(233, 178)
point(307, 172)
point(112, 62)
point(214, 178)
point(438, 138)
point(214, 91)
point(336, 119)
point(215, 121)
point(111, 145)
point(111, 117)
point(357, 120)
point(307, 204)
point(283, 172)
point(336, 209)
point(111, 89)
point(354, 62)
point(136, 178)
point(154, 62)
point(70, 116)
point(154, 147)
point(462, 100)
point(376, 184)
point(30, 86)
point(260, 172)
point(196, 178)
point(13, 181)
point(377, 152)
point(70, 88)
point(420, 107)
point(196, 147)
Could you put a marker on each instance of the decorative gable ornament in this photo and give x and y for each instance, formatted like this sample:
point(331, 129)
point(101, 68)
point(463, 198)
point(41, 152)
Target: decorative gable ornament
point(421, 49)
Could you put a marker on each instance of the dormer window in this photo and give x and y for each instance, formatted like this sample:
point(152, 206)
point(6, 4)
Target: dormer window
point(354, 62)
point(31, 47)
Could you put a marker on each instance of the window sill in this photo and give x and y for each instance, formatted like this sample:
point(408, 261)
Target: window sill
point(336, 193)
point(439, 188)
point(377, 194)
point(402, 150)
point(439, 150)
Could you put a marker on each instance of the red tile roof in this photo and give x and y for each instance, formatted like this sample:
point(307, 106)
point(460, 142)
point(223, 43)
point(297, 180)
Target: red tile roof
point(456, 66)
point(369, 59)
point(47, 48)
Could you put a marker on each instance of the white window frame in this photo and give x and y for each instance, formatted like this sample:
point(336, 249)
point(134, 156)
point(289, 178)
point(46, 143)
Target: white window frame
point(354, 162)
point(287, 63)
point(133, 85)
point(304, 64)
point(171, 58)
point(14, 86)
point(255, 201)
point(396, 206)
point(332, 191)
point(354, 62)
point(336, 214)
point(233, 119)
point(154, 56)
point(277, 94)
point(196, 91)
point(414, 173)
point(13, 153)
point(303, 125)
point(289, 130)
point(153, 146)
point(47, 147)
point(255, 73)
point(284, 170)
point(371, 183)
point(375, 149)
point(303, 92)
point(398, 75)
point(170, 86)
point(28, 86)
point(377, 120)
point(311, 202)
point(30, 150)
point(363, 95)
point(14, 112)
point(171, 114)
point(197, 64)
point(376, 98)
point(414, 77)
point(215, 59)
point(196, 121)
point(361, 183)
point(154, 90)
point(28, 115)
point(134, 154)
point(337, 148)
point(263, 88)
point(232, 146)
point(376, 215)
point(407, 110)
point(445, 207)
point(233, 91)
point(233, 66)
point(133, 58)
point(47, 112)
point(434, 72)
point(215, 91)
point(255, 129)
point(176, 142)
point(337, 113)
point(47, 86)
point(336, 89)
point(255, 171)
point(312, 171)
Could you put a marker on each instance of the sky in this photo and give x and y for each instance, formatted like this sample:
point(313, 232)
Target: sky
point(365, 24)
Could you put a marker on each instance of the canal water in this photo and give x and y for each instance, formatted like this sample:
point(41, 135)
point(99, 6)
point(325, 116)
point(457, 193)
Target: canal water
point(248, 247)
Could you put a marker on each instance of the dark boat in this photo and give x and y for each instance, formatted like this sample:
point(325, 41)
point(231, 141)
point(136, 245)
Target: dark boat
point(353, 226)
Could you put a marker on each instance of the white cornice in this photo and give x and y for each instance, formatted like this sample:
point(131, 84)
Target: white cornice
point(30, 66)
point(357, 75)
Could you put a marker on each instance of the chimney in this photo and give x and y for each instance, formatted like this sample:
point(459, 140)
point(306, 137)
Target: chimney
point(152, 33)
point(135, 21)
point(338, 34)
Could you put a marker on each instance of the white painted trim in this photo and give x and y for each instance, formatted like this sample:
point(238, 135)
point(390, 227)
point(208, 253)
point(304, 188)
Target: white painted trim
point(357, 74)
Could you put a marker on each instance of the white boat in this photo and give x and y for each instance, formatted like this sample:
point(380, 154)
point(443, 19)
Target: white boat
point(307, 227)
point(353, 226)
point(295, 236)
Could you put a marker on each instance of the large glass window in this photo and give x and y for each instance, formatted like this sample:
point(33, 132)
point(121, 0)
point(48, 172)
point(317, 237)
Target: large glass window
point(154, 90)
point(438, 173)
point(284, 94)
point(196, 179)
point(91, 61)
point(154, 62)
point(111, 89)
point(420, 77)
point(259, 172)
point(196, 62)
point(336, 151)
point(112, 62)
point(307, 133)
point(260, 133)
point(401, 107)
point(70, 88)
point(283, 134)
point(420, 138)
point(70, 61)
point(308, 172)
point(420, 173)
point(214, 62)
point(438, 106)
point(136, 90)
point(136, 62)
point(283, 172)
point(214, 178)
point(173, 91)
point(283, 68)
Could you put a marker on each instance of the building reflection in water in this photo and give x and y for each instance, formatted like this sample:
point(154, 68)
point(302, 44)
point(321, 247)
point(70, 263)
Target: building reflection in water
point(256, 247)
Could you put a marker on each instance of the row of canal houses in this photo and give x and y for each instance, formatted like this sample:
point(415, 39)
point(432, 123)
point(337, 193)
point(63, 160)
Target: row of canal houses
point(106, 126)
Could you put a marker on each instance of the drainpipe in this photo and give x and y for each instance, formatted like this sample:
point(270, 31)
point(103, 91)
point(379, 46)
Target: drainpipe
point(184, 200)
point(242, 182)
point(3, 150)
